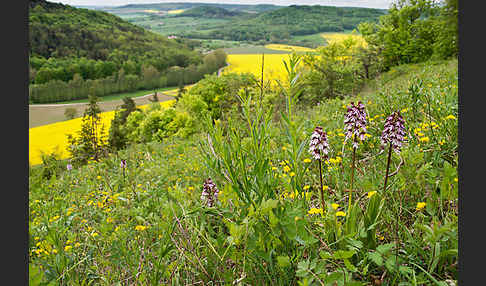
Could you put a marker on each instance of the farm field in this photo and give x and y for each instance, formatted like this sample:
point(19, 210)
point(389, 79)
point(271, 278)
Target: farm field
point(245, 50)
point(251, 63)
point(52, 137)
point(42, 114)
point(288, 48)
point(119, 96)
point(337, 37)
point(175, 25)
point(177, 11)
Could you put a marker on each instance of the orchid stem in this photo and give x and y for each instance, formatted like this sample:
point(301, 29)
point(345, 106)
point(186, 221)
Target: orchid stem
point(322, 186)
point(387, 166)
point(352, 179)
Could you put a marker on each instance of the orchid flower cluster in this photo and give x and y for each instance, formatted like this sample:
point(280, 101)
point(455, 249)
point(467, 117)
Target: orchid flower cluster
point(318, 145)
point(355, 122)
point(393, 131)
point(209, 195)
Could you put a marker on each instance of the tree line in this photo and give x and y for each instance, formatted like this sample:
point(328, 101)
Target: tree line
point(121, 81)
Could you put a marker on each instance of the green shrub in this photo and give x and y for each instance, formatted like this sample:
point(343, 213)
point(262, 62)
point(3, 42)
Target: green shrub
point(70, 112)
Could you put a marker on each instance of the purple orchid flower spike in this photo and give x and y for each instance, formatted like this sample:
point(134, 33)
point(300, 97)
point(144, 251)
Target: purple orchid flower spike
point(210, 193)
point(355, 122)
point(394, 131)
point(318, 145)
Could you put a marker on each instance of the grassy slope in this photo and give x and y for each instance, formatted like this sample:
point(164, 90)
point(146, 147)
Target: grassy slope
point(167, 177)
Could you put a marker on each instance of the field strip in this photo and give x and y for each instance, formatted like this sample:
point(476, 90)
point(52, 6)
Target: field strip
point(52, 137)
point(81, 103)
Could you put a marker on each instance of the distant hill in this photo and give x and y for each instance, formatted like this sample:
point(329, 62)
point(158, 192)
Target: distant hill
point(209, 12)
point(57, 30)
point(175, 6)
point(294, 20)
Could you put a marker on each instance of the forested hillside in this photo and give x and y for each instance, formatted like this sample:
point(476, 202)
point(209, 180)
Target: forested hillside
point(209, 12)
point(293, 20)
point(68, 44)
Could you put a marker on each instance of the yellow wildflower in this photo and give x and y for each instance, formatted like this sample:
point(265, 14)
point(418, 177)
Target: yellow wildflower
point(340, 213)
point(306, 187)
point(370, 194)
point(67, 247)
point(452, 117)
point(334, 206)
point(292, 174)
point(307, 160)
point(420, 206)
point(286, 168)
point(141, 227)
point(424, 139)
point(315, 211)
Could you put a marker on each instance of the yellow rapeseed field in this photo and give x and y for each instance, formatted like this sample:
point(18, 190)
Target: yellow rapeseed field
point(288, 48)
point(252, 63)
point(337, 37)
point(52, 137)
point(274, 68)
point(178, 11)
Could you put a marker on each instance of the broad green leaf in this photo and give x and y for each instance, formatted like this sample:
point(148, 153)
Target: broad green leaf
point(325, 255)
point(343, 254)
point(376, 258)
point(283, 261)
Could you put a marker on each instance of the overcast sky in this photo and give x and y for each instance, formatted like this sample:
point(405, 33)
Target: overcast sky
point(383, 4)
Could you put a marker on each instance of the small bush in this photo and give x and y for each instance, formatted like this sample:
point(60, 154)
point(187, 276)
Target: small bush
point(70, 113)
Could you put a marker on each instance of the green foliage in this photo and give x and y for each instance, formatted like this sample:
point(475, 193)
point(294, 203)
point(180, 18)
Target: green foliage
point(150, 218)
point(51, 165)
point(70, 112)
point(278, 26)
point(335, 71)
point(414, 31)
point(90, 142)
point(220, 94)
point(77, 33)
point(117, 138)
point(209, 12)
point(125, 79)
point(75, 52)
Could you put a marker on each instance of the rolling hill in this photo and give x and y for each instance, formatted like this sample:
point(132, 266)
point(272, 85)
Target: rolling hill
point(209, 12)
point(57, 30)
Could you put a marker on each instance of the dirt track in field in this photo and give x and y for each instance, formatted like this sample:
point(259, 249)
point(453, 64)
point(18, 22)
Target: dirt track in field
point(42, 114)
